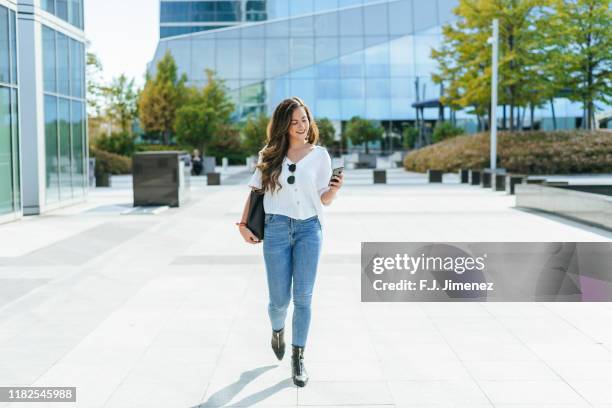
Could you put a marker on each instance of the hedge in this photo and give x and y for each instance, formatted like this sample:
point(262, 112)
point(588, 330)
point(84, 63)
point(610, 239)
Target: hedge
point(110, 162)
point(560, 152)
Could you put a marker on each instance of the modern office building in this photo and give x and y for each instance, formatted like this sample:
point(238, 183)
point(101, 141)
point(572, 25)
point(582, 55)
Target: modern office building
point(43, 136)
point(345, 58)
point(10, 183)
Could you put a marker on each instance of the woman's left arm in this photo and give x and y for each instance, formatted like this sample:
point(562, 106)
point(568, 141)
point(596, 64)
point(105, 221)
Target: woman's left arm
point(334, 186)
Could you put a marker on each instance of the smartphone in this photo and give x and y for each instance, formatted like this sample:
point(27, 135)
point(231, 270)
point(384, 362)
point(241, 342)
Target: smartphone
point(337, 171)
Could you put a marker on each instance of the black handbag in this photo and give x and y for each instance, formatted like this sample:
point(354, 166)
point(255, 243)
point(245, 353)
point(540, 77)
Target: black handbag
point(256, 216)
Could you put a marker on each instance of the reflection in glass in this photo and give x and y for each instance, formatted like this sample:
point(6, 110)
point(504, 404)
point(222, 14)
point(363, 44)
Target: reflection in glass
point(16, 147)
point(49, 66)
point(77, 138)
point(6, 162)
point(4, 45)
point(63, 65)
point(64, 149)
point(51, 150)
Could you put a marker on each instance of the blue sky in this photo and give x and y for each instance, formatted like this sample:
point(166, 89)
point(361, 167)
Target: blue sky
point(123, 33)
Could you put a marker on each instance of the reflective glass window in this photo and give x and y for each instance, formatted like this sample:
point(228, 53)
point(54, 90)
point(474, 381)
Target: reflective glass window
point(302, 27)
point(250, 32)
point(252, 60)
point(181, 51)
point(51, 150)
point(277, 89)
point(228, 57)
point(423, 45)
point(13, 46)
point(49, 63)
point(445, 10)
point(48, 5)
point(63, 65)
point(61, 9)
point(6, 163)
point(327, 48)
point(377, 60)
point(200, 11)
point(402, 96)
point(277, 57)
point(351, 22)
point(64, 149)
point(375, 19)
point(204, 50)
point(349, 3)
point(401, 55)
point(300, 7)
point(74, 12)
point(16, 147)
point(323, 5)
point(77, 144)
point(302, 56)
point(425, 15)
point(77, 64)
point(304, 88)
point(277, 29)
point(349, 45)
point(326, 25)
point(176, 12)
point(400, 17)
point(5, 68)
point(278, 9)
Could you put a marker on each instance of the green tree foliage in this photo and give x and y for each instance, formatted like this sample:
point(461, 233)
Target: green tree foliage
point(360, 131)
point(205, 114)
point(118, 143)
point(94, 85)
point(464, 59)
point(121, 102)
point(254, 133)
point(327, 132)
point(411, 135)
point(161, 97)
point(445, 130)
point(583, 42)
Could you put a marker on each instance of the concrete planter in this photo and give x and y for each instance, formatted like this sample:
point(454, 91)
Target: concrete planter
point(464, 176)
point(474, 177)
point(103, 180)
point(512, 180)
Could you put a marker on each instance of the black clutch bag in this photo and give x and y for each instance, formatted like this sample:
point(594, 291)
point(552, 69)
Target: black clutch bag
point(256, 216)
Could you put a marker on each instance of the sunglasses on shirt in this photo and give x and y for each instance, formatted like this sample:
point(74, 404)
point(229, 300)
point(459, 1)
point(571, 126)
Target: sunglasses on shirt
point(291, 178)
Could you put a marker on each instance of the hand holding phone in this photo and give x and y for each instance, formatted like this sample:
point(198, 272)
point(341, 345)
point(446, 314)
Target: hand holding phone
point(336, 172)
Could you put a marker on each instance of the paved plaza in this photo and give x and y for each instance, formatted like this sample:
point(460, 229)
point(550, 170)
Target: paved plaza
point(170, 309)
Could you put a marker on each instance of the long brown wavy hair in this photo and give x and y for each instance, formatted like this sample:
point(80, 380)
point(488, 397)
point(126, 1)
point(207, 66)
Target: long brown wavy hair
point(277, 141)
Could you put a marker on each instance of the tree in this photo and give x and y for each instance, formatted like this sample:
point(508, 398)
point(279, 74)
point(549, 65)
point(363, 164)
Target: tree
point(464, 59)
point(94, 85)
point(122, 102)
point(584, 42)
point(254, 133)
point(444, 130)
point(360, 131)
point(161, 97)
point(205, 113)
point(327, 132)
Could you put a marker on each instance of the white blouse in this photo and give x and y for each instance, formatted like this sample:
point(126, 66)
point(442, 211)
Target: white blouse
point(302, 199)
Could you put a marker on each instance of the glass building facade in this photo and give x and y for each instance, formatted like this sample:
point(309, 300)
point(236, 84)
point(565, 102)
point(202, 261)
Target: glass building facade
point(10, 183)
point(345, 58)
point(64, 113)
point(68, 10)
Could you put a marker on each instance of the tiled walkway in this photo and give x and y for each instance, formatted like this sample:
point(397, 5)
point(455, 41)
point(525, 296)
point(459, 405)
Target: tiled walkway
point(169, 310)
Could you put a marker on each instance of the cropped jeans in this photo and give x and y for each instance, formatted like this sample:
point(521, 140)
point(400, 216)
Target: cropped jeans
point(291, 253)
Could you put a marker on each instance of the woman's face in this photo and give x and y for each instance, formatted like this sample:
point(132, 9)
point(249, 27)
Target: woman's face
point(298, 128)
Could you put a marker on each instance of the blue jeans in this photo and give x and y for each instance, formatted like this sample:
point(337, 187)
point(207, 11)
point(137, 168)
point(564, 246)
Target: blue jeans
point(291, 252)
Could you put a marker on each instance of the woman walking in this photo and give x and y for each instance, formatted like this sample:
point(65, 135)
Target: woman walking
point(296, 176)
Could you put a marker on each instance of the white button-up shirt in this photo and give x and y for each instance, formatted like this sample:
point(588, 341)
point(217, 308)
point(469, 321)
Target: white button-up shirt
point(302, 199)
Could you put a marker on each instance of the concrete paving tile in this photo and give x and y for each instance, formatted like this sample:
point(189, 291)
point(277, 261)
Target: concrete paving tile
point(442, 393)
point(531, 392)
point(344, 393)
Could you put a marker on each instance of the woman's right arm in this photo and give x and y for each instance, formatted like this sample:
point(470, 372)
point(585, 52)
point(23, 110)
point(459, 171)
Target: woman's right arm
point(246, 233)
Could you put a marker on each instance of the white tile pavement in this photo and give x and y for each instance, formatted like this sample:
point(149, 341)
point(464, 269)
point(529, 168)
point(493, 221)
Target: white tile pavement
point(174, 315)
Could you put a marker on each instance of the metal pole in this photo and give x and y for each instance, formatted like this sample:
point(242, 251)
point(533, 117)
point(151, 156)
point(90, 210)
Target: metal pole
point(495, 41)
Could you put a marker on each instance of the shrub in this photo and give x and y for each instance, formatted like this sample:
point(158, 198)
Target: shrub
point(410, 137)
point(159, 147)
point(110, 162)
point(117, 143)
point(526, 152)
point(445, 130)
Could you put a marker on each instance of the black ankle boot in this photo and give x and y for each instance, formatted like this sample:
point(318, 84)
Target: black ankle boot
point(298, 371)
point(278, 343)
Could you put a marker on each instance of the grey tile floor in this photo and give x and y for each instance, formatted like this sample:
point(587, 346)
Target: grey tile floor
point(169, 310)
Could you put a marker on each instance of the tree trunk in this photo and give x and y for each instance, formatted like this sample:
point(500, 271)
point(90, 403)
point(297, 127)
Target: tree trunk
point(531, 109)
point(523, 117)
point(504, 118)
point(511, 117)
point(554, 118)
